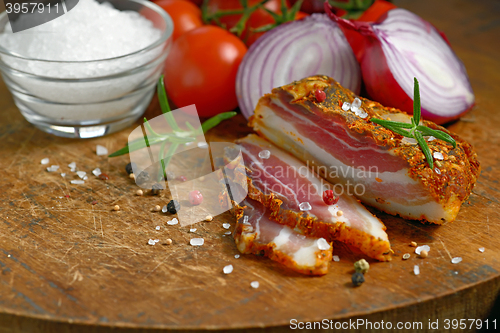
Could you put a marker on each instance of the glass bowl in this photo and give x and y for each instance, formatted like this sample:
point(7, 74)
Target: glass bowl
point(70, 102)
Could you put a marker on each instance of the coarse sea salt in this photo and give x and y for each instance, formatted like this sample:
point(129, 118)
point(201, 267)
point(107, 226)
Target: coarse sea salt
point(101, 150)
point(416, 270)
point(63, 174)
point(323, 244)
point(346, 106)
point(228, 269)
point(456, 260)
point(431, 138)
point(304, 206)
point(419, 249)
point(96, 172)
point(336, 258)
point(356, 103)
point(45, 161)
point(164, 209)
point(72, 165)
point(81, 174)
point(192, 230)
point(438, 156)
point(227, 233)
point(265, 154)
point(53, 168)
point(173, 221)
point(254, 284)
point(236, 256)
point(245, 220)
point(90, 31)
point(226, 225)
point(197, 241)
point(481, 249)
point(157, 227)
point(77, 182)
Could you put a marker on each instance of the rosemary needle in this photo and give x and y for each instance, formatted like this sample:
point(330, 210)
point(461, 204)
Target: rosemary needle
point(414, 130)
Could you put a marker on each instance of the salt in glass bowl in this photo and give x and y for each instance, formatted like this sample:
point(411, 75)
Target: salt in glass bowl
point(79, 106)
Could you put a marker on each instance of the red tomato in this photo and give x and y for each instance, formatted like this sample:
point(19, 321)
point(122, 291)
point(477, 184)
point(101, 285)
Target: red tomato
point(201, 69)
point(185, 15)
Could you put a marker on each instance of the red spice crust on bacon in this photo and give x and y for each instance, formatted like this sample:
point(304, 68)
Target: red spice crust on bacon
point(459, 168)
point(323, 257)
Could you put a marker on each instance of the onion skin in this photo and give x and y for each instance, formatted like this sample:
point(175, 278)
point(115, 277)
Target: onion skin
point(379, 80)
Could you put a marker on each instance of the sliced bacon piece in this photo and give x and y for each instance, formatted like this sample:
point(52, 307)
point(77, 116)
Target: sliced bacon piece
point(285, 185)
point(390, 172)
point(257, 233)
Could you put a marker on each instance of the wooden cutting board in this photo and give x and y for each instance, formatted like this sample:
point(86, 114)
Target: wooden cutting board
point(65, 260)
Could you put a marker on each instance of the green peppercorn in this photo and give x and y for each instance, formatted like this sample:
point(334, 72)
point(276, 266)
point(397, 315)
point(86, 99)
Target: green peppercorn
point(361, 266)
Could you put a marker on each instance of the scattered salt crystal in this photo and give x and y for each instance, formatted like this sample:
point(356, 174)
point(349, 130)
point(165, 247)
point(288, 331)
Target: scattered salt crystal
point(203, 145)
point(416, 270)
point(346, 106)
point(336, 258)
point(431, 138)
point(438, 156)
point(236, 256)
point(456, 260)
point(228, 269)
point(481, 249)
point(96, 172)
point(303, 206)
point(192, 230)
point(151, 242)
point(85, 177)
point(437, 171)
point(355, 109)
point(226, 225)
point(81, 174)
point(265, 154)
point(356, 103)
point(157, 240)
point(227, 233)
point(363, 115)
point(245, 220)
point(173, 221)
point(101, 150)
point(197, 241)
point(157, 227)
point(419, 249)
point(53, 168)
point(45, 161)
point(323, 244)
point(63, 174)
point(79, 182)
point(254, 284)
point(164, 209)
point(72, 165)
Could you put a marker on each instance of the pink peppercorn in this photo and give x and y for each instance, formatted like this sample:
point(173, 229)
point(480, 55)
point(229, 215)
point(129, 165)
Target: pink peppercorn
point(320, 95)
point(329, 198)
point(195, 197)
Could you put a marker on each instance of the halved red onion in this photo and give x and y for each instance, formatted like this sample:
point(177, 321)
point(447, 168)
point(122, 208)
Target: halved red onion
point(293, 51)
point(402, 46)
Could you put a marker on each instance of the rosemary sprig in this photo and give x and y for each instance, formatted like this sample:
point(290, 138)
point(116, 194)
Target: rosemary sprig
point(177, 137)
point(414, 130)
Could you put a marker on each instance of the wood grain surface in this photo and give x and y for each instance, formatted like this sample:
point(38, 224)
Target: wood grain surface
point(68, 265)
